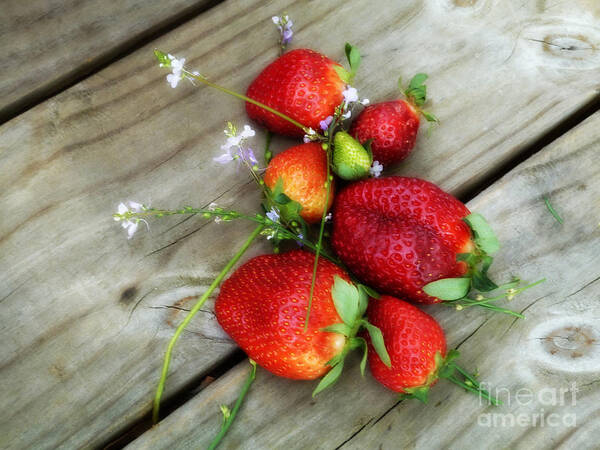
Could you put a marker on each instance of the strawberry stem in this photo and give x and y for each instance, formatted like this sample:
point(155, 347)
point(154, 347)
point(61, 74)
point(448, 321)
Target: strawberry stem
point(191, 314)
point(230, 416)
point(201, 79)
point(323, 220)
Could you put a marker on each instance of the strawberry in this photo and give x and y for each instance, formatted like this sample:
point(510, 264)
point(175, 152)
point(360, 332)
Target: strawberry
point(398, 234)
point(303, 172)
point(351, 161)
point(263, 307)
point(302, 84)
point(393, 125)
point(417, 348)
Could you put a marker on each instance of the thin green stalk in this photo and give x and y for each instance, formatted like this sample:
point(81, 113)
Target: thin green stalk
point(246, 99)
point(476, 390)
point(552, 210)
point(191, 314)
point(268, 152)
point(231, 417)
point(322, 227)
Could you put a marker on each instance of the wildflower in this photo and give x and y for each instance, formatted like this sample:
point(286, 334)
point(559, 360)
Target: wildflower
point(273, 215)
point(365, 101)
point(309, 136)
point(212, 206)
point(324, 124)
point(124, 213)
point(177, 74)
point(284, 25)
point(299, 241)
point(328, 217)
point(347, 115)
point(376, 169)
point(350, 94)
point(233, 146)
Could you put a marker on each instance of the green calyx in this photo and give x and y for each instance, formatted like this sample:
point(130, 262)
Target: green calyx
point(351, 161)
point(354, 59)
point(416, 93)
point(455, 291)
point(351, 305)
point(446, 368)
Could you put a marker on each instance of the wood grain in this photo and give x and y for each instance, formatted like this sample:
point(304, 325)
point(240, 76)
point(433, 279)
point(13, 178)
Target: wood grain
point(83, 323)
point(47, 43)
point(526, 362)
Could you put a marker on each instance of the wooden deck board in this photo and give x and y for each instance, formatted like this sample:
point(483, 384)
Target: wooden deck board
point(554, 347)
point(46, 43)
point(83, 342)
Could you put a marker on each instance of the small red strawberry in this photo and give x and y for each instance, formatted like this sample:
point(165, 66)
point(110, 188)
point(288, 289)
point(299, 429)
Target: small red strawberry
point(263, 307)
point(393, 125)
point(398, 234)
point(417, 348)
point(303, 172)
point(302, 84)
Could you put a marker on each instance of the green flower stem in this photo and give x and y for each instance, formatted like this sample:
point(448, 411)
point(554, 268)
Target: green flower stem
point(191, 314)
point(486, 302)
point(475, 388)
point(201, 79)
point(552, 210)
point(229, 215)
point(229, 420)
point(322, 227)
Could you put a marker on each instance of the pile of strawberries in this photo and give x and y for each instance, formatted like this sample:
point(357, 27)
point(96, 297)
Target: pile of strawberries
point(398, 240)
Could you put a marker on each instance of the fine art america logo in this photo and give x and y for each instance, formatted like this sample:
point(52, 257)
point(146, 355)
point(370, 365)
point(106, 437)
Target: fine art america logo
point(544, 408)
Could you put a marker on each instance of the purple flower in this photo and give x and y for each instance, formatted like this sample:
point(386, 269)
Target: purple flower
point(324, 124)
point(247, 154)
point(287, 36)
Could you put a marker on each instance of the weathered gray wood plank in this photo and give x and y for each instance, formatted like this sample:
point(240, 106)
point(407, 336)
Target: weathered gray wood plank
point(77, 360)
point(46, 43)
point(555, 346)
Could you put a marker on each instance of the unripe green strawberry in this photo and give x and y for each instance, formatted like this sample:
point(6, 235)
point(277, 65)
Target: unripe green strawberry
point(351, 161)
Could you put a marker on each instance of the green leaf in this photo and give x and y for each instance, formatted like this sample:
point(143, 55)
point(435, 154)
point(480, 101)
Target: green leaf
point(484, 236)
point(343, 74)
point(329, 379)
point(421, 393)
point(353, 56)
point(340, 328)
point(417, 81)
point(448, 288)
point(363, 302)
point(377, 341)
point(363, 361)
point(482, 282)
point(370, 291)
point(430, 117)
point(552, 210)
point(162, 58)
point(417, 91)
point(282, 199)
point(345, 298)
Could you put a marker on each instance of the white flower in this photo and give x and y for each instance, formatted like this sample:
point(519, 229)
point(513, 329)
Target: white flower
point(347, 114)
point(177, 65)
point(350, 94)
point(328, 217)
point(276, 20)
point(306, 139)
point(376, 169)
point(218, 219)
point(173, 79)
point(273, 215)
point(311, 132)
point(248, 132)
point(224, 158)
point(212, 206)
point(130, 225)
point(365, 101)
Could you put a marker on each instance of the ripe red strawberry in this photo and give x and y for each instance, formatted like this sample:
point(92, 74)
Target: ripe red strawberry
point(301, 84)
point(398, 234)
point(303, 171)
point(416, 345)
point(412, 338)
point(263, 307)
point(393, 125)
